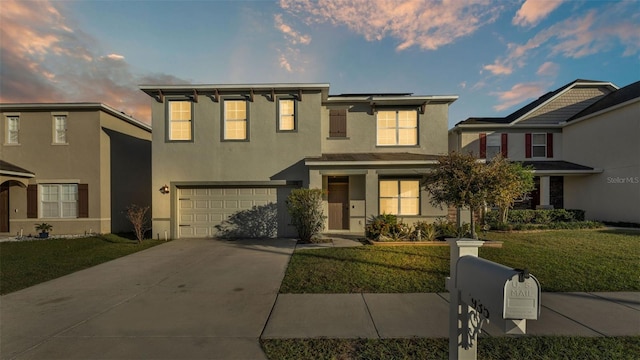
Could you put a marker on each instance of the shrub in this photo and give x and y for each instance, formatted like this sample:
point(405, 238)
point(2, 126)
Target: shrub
point(578, 215)
point(380, 225)
point(541, 216)
point(305, 208)
point(137, 215)
point(423, 231)
point(446, 228)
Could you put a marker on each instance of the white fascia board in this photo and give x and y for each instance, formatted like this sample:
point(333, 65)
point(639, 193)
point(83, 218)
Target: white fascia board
point(18, 174)
point(506, 126)
point(234, 87)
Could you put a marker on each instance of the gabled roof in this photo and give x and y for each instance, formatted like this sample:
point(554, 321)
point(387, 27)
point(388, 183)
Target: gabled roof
point(536, 104)
point(75, 106)
point(617, 97)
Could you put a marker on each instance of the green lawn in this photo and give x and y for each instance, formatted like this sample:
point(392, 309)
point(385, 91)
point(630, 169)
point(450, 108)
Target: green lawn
point(496, 348)
point(26, 263)
point(562, 260)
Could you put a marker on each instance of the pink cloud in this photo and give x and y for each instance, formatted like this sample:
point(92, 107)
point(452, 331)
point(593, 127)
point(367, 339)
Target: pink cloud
point(428, 24)
point(533, 11)
point(548, 69)
point(517, 94)
point(293, 36)
point(581, 35)
point(44, 59)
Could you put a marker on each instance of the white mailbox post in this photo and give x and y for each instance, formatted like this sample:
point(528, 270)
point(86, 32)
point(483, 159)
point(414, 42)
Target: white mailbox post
point(483, 291)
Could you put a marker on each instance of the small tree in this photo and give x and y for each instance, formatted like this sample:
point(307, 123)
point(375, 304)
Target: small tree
point(459, 181)
point(507, 181)
point(305, 208)
point(137, 215)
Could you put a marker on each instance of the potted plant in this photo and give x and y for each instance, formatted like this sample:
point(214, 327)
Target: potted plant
point(44, 229)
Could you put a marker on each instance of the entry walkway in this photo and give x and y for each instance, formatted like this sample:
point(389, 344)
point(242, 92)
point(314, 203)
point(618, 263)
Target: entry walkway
point(426, 315)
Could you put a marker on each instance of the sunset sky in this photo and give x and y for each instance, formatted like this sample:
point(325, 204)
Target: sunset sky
point(495, 55)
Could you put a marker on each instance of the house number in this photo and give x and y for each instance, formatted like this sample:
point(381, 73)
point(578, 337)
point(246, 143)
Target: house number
point(481, 309)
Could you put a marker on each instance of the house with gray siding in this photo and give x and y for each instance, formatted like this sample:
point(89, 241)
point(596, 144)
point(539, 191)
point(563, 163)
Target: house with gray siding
point(229, 154)
point(568, 137)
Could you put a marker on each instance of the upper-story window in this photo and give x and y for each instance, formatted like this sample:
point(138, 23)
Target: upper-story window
point(180, 120)
point(397, 128)
point(287, 119)
point(400, 197)
point(539, 145)
point(235, 120)
point(59, 200)
point(60, 129)
point(13, 130)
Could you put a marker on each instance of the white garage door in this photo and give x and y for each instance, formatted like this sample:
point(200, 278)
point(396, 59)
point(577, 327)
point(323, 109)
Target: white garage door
point(201, 209)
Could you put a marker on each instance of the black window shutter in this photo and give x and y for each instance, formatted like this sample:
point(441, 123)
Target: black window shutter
point(32, 201)
point(83, 200)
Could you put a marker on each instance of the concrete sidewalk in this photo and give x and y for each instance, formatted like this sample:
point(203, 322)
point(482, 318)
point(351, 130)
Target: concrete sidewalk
point(426, 315)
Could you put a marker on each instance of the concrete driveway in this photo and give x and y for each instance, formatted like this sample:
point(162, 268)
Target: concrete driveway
point(187, 299)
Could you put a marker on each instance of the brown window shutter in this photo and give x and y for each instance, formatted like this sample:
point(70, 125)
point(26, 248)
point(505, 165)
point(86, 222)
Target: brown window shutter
point(483, 145)
point(549, 145)
point(527, 145)
point(83, 200)
point(338, 123)
point(504, 145)
point(32, 201)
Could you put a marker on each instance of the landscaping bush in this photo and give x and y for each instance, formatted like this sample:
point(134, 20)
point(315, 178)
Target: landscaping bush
point(578, 215)
point(305, 208)
point(377, 225)
point(446, 228)
point(423, 231)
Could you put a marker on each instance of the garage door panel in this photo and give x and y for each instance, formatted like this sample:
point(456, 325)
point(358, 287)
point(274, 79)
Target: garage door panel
point(202, 209)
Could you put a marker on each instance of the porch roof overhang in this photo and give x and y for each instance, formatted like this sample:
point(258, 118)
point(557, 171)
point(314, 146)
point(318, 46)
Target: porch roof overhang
point(559, 168)
point(368, 159)
point(9, 169)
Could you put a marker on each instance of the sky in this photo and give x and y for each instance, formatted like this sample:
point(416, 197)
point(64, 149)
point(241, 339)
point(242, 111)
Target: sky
point(497, 56)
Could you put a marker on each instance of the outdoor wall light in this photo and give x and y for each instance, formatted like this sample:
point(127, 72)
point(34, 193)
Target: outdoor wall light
point(164, 189)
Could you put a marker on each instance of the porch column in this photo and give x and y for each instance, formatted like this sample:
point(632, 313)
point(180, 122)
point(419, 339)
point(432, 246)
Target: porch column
point(545, 190)
point(371, 194)
point(315, 179)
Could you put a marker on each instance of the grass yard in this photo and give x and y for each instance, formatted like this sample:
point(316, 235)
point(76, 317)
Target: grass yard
point(26, 263)
point(495, 348)
point(562, 260)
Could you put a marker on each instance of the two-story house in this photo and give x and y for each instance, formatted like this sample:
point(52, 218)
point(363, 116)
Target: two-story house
point(542, 135)
point(76, 166)
point(223, 150)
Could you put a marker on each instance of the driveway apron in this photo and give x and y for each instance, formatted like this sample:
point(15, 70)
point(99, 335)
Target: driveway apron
point(186, 299)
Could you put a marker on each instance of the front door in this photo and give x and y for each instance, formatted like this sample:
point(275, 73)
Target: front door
point(339, 203)
point(4, 208)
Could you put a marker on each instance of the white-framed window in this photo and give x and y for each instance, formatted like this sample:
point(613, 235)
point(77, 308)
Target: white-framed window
point(235, 120)
point(494, 143)
point(287, 115)
point(400, 197)
point(59, 200)
point(180, 120)
point(13, 129)
point(60, 129)
point(539, 145)
point(397, 128)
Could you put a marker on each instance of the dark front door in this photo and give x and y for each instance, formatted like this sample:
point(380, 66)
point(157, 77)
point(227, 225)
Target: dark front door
point(339, 204)
point(4, 208)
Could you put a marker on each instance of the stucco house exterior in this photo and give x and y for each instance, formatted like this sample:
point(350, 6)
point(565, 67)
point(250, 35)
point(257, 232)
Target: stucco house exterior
point(229, 151)
point(575, 138)
point(76, 166)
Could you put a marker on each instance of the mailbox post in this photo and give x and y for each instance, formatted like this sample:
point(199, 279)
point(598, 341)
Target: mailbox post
point(483, 291)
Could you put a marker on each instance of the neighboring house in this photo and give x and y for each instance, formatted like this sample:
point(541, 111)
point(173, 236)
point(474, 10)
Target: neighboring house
point(75, 166)
point(229, 154)
point(567, 136)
